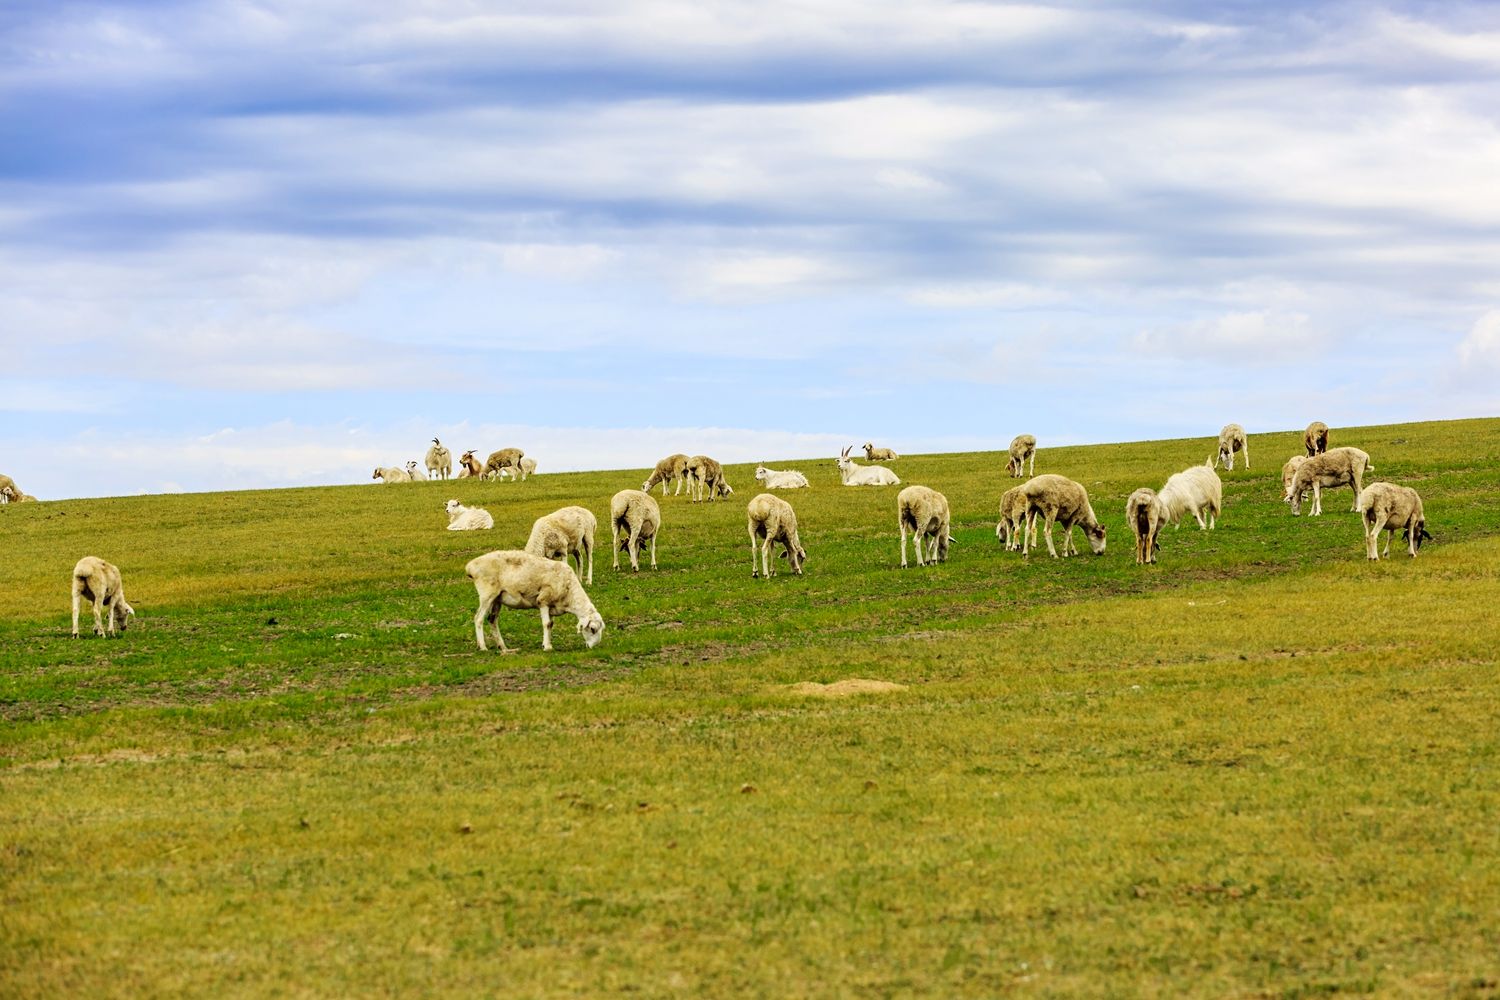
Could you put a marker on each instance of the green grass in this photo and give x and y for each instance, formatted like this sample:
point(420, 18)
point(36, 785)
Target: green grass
point(1263, 767)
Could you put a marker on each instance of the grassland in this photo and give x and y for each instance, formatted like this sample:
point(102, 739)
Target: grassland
point(1263, 767)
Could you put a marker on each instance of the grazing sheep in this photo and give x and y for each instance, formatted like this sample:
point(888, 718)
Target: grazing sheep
point(525, 467)
point(1059, 499)
point(1289, 470)
point(461, 518)
point(1022, 447)
point(780, 479)
point(1335, 467)
point(864, 475)
point(706, 474)
point(925, 512)
point(391, 474)
point(439, 460)
point(874, 454)
point(1014, 508)
point(1232, 439)
point(770, 519)
point(468, 466)
point(1315, 438)
point(1391, 508)
point(563, 533)
point(637, 516)
point(100, 582)
point(1194, 491)
point(505, 458)
point(522, 580)
point(673, 468)
point(1145, 513)
point(8, 494)
point(414, 473)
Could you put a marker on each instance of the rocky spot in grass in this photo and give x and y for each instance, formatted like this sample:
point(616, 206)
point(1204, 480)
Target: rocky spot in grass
point(844, 688)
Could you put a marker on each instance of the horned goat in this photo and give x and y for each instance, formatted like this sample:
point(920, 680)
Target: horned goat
point(439, 460)
point(1335, 467)
point(414, 473)
point(854, 474)
point(705, 474)
point(9, 494)
point(780, 479)
point(771, 520)
point(1059, 499)
point(469, 466)
point(1315, 438)
point(874, 454)
point(1145, 513)
point(522, 580)
point(1390, 508)
point(925, 512)
point(671, 469)
point(1022, 447)
point(8, 484)
point(566, 532)
point(100, 583)
point(461, 518)
point(505, 458)
point(1232, 439)
point(636, 517)
point(1194, 491)
point(391, 474)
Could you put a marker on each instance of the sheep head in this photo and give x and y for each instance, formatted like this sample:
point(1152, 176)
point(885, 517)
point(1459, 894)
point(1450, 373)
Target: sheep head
point(591, 627)
point(1095, 535)
point(122, 612)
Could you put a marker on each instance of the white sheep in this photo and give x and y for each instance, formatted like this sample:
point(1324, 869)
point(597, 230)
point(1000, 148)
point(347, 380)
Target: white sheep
point(461, 518)
point(780, 479)
point(391, 474)
point(1056, 498)
point(925, 512)
point(636, 517)
point(100, 582)
point(874, 454)
point(854, 474)
point(1022, 447)
point(1232, 439)
point(439, 460)
point(469, 466)
point(1335, 467)
point(1390, 508)
point(1315, 438)
point(566, 532)
point(522, 580)
point(706, 474)
point(1194, 491)
point(8, 494)
point(1145, 513)
point(769, 520)
point(525, 467)
point(505, 458)
point(673, 468)
point(1014, 510)
point(8, 488)
point(414, 473)
point(1289, 472)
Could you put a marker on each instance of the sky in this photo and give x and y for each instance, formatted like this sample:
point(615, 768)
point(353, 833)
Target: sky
point(262, 244)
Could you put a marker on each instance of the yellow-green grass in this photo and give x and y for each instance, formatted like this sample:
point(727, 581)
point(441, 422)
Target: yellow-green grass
point(1264, 766)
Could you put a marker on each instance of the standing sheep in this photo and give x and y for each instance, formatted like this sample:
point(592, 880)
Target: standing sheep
point(505, 458)
point(525, 467)
point(874, 454)
point(461, 518)
point(468, 466)
point(1289, 472)
point(1145, 513)
point(1390, 508)
point(1194, 491)
point(522, 580)
point(673, 468)
point(1315, 438)
point(1014, 508)
point(1335, 467)
point(925, 512)
point(414, 473)
point(1232, 439)
point(769, 520)
point(1059, 499)
point(439, 460)
point(100, 583)
point(635, 515)
point(563, 533)
point(706, 474)
point(391, 474)
point(1022, 447)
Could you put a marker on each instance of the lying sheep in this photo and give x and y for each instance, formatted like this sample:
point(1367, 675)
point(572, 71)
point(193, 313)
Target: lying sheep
point(780, 479)
point(1022, 447)
point(391, 474)
point(636, 517)
point(8, 494)
point(522, 580)
point(704, 473)
point(925, 512)
point(673, 468)
point(769, 520)
point(1390, 508)
point(415, 474)
point(505, 458)
point(525, 467)
point(100, 583)
point(1014, 508)
point(439, 460)
point(854, 474)
point(874, 454)
point(1232, 439)
point(1193, 491)
point(1145, 513)
point(461, 518)
point(1335, 467)
point(1056, 498)
point(1289, 471)
point(468, 466)
point(8, 488)
point(563, 533)
point(1315, 438)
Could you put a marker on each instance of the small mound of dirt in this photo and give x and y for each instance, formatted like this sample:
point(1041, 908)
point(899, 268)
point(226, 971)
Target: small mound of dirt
point(844, 688)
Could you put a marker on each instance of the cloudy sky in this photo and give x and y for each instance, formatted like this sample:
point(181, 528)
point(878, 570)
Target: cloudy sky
point(249, 244)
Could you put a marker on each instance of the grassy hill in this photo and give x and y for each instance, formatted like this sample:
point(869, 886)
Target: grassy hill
point(1263, 766)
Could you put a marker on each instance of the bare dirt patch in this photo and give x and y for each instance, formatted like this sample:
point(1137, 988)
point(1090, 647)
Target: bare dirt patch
point(844, 688)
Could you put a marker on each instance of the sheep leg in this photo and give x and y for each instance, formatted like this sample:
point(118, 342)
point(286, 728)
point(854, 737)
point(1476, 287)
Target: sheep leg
point(765, 557)
point(653, 551)
point(1317, 504)
point(634, 544)
point(588, 544)
point(546, 628)
point(615, 544)
point(98, 621)
point(901, 524)
point(755, 559)
point(485, 604)
point(1050, 547)
point(1391, 533)
point(77, 597)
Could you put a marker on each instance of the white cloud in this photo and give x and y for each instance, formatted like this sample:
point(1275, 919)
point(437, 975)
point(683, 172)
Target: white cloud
point(1479, 352)
point(1246, 338)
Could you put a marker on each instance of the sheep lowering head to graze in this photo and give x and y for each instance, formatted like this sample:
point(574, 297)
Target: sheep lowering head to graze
point(469, 466)
point(1232, 439)
point(439, 460)
point(1335, 467)
point(704, 473)
point(1390, 508)
point(771, 520)
point(1289, 471)
point(414, 473)
point(505, 458)
point(1059, 499)
point(391, 474)
point(1145, 513)
point(634, 519)
point(780, 479)
point(874, 454)
point(461, 518)
point(99, 582)
point(671, 469)
point(925, 512)
point(566, 532)
point(522, 580)
point(1315, 438)
point(1022, 447)
point(854, 474)
point(1014, 508)
point(1195, 491)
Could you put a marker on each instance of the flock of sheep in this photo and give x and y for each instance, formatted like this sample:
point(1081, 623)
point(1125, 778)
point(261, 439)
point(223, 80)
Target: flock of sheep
point(533, 577)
